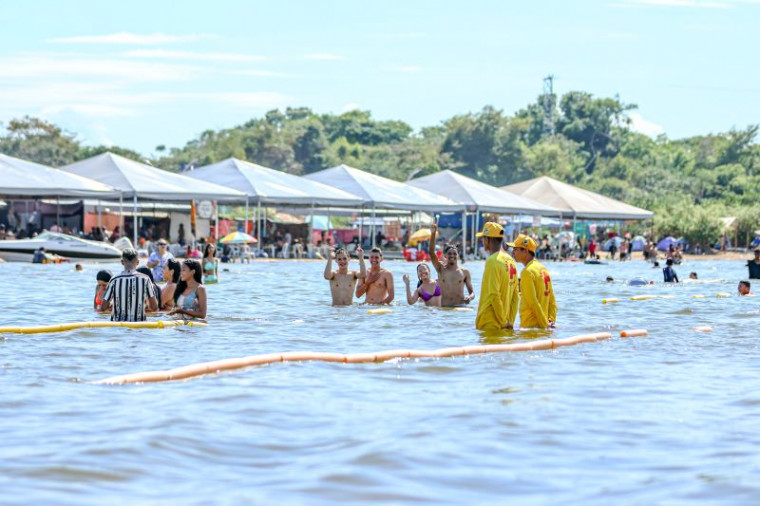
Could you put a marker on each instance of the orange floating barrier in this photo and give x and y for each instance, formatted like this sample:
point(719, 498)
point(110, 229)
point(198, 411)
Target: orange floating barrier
point(216, 366)
point(634, 333)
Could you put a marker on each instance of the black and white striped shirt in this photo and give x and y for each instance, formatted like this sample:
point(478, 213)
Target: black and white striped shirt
point(127, 293)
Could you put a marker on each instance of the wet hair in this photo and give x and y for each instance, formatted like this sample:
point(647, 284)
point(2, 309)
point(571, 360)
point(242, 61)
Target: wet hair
point(449, 247)
point(376, 250)
point(341, 251)
point(104, 275)
point(129, 254)
point(419, 279)
point(194, 266)
point(669, 261)
point(656, 263)
point(146, 271)
point(207, 247)
point(610, 279)
point(745, 283)
point(174, 266)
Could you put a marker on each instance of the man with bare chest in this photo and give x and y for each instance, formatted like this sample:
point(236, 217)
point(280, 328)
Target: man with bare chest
point(343, 281)
point(378, 285)
point(451, 277)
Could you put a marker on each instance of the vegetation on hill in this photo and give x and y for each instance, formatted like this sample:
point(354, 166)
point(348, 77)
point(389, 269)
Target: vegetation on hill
point(689, 183)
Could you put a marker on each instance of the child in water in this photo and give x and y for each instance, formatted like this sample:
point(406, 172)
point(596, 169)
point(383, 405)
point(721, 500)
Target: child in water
point(102, 277)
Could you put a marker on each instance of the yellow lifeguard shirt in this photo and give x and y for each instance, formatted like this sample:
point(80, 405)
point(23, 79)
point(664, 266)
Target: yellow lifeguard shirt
point(537, 304)
point(497, 306)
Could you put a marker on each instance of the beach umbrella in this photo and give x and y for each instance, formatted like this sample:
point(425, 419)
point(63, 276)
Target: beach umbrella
point(238, 238)
point(422, 234)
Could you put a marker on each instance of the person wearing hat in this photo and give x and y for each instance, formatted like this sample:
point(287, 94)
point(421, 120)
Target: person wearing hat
point(158, 259)
point(497, 308)
point(538, 308)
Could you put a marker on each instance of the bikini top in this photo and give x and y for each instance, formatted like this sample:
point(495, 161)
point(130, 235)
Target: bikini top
point(188, 301)
point(427, 296)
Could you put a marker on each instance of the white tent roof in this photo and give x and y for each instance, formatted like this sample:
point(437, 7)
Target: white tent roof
point(22, 178)
point(271, 186)
point(480, 196)
point(146, 182)
point(377, 191)
point(574, 201)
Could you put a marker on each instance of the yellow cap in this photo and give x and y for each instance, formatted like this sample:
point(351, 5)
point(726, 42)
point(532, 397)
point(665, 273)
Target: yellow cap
point(491, 229)
point(523, 241)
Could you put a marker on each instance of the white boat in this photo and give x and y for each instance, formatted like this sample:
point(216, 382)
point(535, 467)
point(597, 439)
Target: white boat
point(22, 250)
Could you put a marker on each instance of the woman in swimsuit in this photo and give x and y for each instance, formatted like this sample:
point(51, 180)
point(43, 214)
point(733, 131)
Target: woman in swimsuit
point(210, 265)
point(427, 290)
point(172, 269)
point(103, 277)
point(190, 294)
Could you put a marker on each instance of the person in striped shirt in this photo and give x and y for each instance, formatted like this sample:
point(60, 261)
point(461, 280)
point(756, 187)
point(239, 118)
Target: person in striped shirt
point(128, 292)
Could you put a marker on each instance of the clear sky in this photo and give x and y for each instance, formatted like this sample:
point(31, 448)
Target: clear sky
point(142, 73)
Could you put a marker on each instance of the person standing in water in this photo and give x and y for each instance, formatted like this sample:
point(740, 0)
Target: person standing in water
point(754, 265)
point(190, 294)
point(668, 273)
point(378, 285)
point(538, 308)
point(452, 278)
point(343, 281)
point(129, 291)
point(427, 289)
point(497, 308)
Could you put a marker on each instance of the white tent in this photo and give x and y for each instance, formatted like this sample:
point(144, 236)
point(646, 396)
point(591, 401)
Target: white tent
point(576, 202)
point(480, 196)
point(22, 178)
point(269, 186)
point(379, 192)
point(138, 180)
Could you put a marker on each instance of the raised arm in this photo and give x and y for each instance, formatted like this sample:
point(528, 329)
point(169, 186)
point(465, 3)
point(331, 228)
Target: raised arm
point(431, 248)
point(328, 267)
point(362, 265)
point(363, 284)
point(411, 298)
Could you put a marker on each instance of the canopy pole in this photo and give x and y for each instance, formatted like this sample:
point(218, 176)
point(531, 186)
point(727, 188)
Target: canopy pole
point(121, 212)
point(98, 208)
point(372, 227)
point(134, 218)
point(245, 227)
point(58, 212)
point(464, 235)
point(216, 220)
point(258, 226)
point(361, 226)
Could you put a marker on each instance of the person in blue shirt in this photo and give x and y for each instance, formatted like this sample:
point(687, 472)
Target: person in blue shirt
point(668, 273)
point(754, 265)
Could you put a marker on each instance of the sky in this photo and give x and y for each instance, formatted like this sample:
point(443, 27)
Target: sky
point(140, 74)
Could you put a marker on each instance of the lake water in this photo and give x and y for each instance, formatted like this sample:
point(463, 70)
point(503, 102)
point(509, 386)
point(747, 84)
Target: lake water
point(669, 418)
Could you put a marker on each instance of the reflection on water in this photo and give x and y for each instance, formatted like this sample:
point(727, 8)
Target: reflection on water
point(666, 418)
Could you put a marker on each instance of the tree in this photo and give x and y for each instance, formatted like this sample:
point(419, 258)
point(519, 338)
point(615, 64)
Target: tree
point(39, 141)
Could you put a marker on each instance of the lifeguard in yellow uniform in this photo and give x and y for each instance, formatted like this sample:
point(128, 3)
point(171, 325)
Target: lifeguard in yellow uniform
point(497, 306)
point(538, 308)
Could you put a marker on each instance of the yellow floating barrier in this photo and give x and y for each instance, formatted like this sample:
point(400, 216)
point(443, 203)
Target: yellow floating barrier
point(64, 327)
point(195, 370)
point(702, 328)
point(723, 295)
point(697, 296)
point(382, 310)
point(634, 333)
point(668, 297)
point(610, 301)
point(643, 297)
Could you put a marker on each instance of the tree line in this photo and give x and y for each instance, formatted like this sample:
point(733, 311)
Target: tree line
point(577, 138)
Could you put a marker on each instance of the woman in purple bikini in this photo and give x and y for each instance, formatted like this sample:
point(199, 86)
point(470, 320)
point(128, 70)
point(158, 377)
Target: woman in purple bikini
point(427, 289)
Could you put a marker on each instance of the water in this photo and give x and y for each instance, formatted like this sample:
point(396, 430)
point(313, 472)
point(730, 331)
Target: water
point(670, 418)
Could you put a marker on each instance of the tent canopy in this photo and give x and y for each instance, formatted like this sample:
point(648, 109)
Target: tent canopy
point(480, 196)
point(23, 178)
point(270, 186)
point(575, 201)
point(139, 180)
point(377, 191)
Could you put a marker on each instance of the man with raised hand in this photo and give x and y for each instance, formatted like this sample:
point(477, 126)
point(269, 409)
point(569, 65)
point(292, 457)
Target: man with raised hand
point(343, 281)
point(451, 277)
point(497, 308)
point(538, 308)
point(378, 285)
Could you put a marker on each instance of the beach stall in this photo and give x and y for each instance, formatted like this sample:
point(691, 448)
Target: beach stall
point(378, 192)
point(480, 198)
point(137, 180)
point(265, 186)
